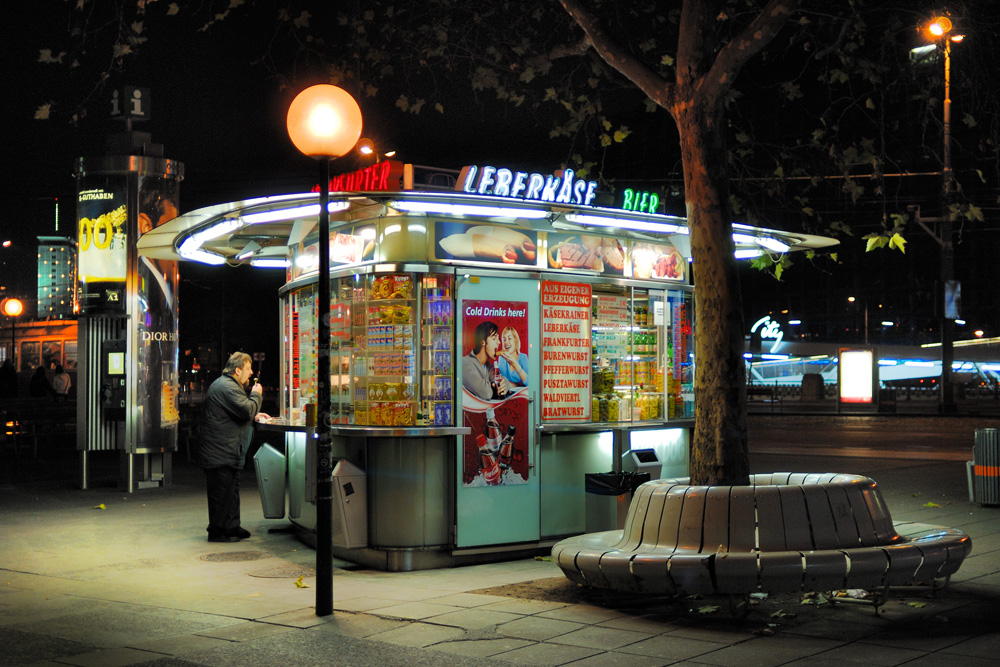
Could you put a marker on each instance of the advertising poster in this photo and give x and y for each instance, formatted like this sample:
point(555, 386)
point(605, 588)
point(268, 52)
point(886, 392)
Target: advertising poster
point(658, 262)
point(566, 331)
point(495, 391)
point(157, 327)
point(102, 234)
point(495, 244)
point(579, 251)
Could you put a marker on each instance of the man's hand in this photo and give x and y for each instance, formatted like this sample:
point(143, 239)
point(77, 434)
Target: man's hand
point(263, 417)
point(257, 389)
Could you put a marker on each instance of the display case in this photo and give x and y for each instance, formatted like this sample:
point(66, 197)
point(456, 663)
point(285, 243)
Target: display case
point(391, 346)
point(437, 338)
point(642, 366)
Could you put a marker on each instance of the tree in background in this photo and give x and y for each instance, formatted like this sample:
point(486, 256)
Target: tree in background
point(788, 112)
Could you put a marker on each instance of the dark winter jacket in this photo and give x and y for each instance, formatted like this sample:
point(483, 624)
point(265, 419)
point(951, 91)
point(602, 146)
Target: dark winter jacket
point(226, 424)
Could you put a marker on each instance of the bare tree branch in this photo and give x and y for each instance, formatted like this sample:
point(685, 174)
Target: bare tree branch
point(749, 43)
point(652, 84)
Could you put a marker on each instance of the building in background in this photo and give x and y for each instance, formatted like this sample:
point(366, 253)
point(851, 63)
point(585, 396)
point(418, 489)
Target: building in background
point(56, 277)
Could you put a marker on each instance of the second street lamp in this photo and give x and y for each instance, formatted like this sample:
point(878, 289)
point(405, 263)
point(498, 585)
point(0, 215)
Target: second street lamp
point(324, 122)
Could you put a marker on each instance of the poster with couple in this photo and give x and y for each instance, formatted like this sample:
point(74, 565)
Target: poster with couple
point(495, 391)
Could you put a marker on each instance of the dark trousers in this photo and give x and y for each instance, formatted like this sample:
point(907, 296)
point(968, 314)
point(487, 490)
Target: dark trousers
point(223, 500)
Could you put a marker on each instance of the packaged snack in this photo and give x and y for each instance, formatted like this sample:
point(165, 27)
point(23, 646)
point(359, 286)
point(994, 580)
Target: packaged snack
point(402, 287)
point(400, 314)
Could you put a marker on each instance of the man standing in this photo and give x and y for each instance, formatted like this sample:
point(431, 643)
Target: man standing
point(226, 430)
point(477, 375)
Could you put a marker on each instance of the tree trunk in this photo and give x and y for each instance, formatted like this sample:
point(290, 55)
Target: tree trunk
point(719, 449)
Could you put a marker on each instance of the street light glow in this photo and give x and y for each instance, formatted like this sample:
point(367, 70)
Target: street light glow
point(939, 26)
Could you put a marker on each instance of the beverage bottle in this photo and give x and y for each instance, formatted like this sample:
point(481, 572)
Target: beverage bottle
point(487, 462)
point(506, 449)
point(493, 431)
point(495, 378)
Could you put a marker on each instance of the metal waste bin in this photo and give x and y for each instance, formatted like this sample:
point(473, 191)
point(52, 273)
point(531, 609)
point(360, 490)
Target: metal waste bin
point(986, 466)
point(350, 506)
point(642, 460)
point(270, 466)
point(609, 495)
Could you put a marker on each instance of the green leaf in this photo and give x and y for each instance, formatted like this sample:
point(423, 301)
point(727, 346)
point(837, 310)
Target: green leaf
point(974, 213)
point(668, 61)
point(969, 120)
point(898, 242)
point(869, 104)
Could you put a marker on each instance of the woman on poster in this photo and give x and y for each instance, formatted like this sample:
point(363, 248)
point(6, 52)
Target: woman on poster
point(513, 363)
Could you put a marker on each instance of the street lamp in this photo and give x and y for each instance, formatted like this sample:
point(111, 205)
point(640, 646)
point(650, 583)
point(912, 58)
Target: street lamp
point(939, 31)
point(324, 122)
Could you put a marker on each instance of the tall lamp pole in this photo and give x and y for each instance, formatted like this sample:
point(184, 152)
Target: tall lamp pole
point(324, 122)
point(939, 30)
point(12, 308)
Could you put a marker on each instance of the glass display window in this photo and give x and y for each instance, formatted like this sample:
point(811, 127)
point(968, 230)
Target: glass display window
point(627, 360)
point(437, 347)
point(680, 355)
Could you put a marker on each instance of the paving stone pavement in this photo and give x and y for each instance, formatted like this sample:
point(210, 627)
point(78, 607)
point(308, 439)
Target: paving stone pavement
point(108, 579)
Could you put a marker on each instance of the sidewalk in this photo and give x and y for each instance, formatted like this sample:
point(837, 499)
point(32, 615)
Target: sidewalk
point(103, 578)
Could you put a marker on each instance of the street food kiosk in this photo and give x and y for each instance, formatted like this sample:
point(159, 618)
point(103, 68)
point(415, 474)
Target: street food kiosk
point(493, 341)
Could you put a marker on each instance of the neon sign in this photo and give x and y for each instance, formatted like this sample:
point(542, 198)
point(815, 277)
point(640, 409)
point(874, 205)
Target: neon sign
point(641, 202)
point(561, 188)
point(381, 176)
point(769, 330)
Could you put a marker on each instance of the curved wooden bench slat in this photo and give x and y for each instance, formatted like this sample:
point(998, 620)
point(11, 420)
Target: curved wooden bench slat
point(783, 533)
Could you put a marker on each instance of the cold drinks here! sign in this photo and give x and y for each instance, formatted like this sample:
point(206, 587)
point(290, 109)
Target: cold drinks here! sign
point(565, 351)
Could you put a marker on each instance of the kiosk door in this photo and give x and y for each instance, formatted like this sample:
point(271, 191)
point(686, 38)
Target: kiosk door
point(498, 342)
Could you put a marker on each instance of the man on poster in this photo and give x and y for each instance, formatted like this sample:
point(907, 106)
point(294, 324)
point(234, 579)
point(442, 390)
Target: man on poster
point(478, 366)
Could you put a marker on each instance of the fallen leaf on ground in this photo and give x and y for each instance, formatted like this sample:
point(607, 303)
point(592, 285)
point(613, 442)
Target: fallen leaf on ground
point(547, 558)
point(708, 609)
point(299, 584)
point(100, 507)
point(931, 504)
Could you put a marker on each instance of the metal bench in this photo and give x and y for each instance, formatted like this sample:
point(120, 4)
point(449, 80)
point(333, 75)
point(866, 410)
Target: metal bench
point(784, 533)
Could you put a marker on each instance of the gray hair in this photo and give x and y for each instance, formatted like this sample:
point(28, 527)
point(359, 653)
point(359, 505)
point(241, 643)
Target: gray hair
point(236, 361)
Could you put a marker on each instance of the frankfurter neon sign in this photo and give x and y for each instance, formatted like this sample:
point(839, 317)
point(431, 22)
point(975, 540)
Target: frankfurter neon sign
point(561, 188)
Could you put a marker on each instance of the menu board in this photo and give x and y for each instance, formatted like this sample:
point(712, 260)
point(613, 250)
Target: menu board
point(566, 334)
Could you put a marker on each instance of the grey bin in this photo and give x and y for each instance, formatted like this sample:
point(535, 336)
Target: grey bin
point(986, 466)
point(643, 460)
point(350, 506)
point(270, 466)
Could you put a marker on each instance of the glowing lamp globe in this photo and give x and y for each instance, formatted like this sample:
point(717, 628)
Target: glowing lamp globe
point(324, 121)
point(939, 26)
point(12, 307)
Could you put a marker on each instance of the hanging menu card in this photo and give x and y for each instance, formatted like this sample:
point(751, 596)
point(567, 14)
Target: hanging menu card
point(565, 351)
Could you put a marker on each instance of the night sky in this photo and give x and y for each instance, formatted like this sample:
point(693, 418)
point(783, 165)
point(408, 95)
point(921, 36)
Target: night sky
point(217, 110)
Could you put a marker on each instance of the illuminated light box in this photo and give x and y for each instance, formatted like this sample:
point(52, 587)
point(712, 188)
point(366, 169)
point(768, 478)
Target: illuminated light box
point(856, 372)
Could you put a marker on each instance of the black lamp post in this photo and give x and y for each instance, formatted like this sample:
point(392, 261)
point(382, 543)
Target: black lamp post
point(324, 122)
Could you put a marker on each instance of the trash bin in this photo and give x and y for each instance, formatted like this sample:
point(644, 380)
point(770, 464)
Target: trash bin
point(609, 495)
point(350, 506)
point(643, 460)
point(270, 466)
point(986, 466)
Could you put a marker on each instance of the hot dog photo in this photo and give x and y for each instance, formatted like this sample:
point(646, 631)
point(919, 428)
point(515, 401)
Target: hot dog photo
point(486, 243)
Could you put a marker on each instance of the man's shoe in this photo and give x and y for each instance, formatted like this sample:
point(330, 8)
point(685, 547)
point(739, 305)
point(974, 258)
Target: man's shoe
point(223, 538)
point(240, 534)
